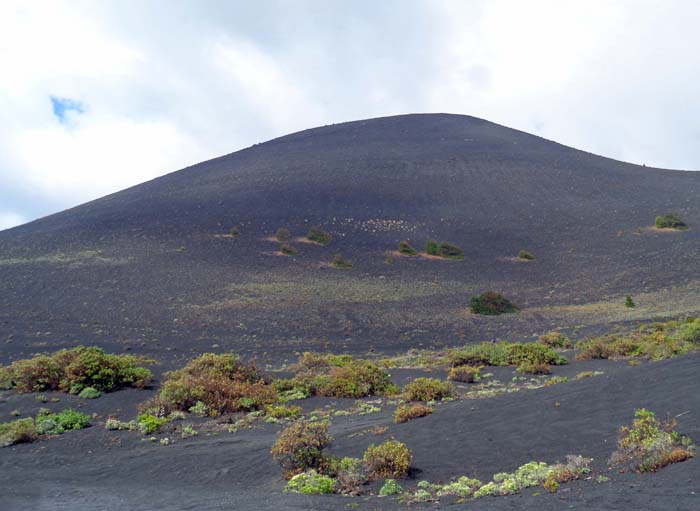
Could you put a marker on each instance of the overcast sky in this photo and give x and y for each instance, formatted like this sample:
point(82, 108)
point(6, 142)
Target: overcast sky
point(98, 96)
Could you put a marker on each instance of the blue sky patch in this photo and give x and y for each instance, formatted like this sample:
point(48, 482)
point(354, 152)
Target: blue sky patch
point(62, 106)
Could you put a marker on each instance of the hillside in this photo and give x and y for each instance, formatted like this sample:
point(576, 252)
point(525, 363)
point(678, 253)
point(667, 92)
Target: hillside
point(152, 266)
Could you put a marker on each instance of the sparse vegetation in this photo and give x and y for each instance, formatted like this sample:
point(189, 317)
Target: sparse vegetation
point(405, 413)
point(287, 249)
point(311, 483)
point(72, 370)
point(17, 432)
point(427, 389)
point(283, 235)
point(340, 262)
point(491, 303)
point(222, 383)
point(629, 303)
point(670, 221)
point(46, 423)
point(650, 444)
point(555, 339)
point(656, 341)
point(504, 354)
point(149, 423)
point(234, 231)
point(89, 393)
point(391, 459)
point(406, 249)
point(300, 446)
point(431, 247)
point(534, 368)
point(449, 251)
point(319, 236)
point(465, 374)
point(524, 254)
point(390, 487)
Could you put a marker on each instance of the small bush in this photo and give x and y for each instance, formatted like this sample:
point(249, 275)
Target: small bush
point(504, 354)
point(339, 261)
point(555, 339)
point(670, 221)
point(234, 231)
point(149, 423)
point(311, 483)
point(427, 389)
point(288, 249)
point(71, 370)
point(431, 247)
point(405, 413)
point(450, 251)
point(299, 447)
point(351, 474)
point(491, 303)
point(319, 236)
point(650, 444)
point(392, 459)
point(534, 368)
point(17, 432)
point(282, 411)
point(628, 302)
point(524, 254)
point(89, 393)
point(464, 487)
point(406, 249)
point(465, 374)
point(222, 383)
point(390, 487)
point(283, 235)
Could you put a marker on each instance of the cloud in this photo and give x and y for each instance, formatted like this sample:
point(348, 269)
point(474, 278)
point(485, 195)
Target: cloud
point(98, 96)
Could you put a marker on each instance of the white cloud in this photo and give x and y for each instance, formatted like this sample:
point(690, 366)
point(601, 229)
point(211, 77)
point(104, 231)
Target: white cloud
point(167, 84)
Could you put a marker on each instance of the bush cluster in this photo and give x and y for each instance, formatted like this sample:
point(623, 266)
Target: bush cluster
point(555, 339)
point(405, 413)
point(427, 389)
point(299, 447)
point(72, 370)
point(534, 368)
point(319, 236)
point(505, 354)
point(650, 444)
point(465, 373)
point(406, 249)
point(443, 249)
point(45, 423)
point(524, 254)
point(340, 376)
point(670, 221)
point(491, 303)
point(221, 383)
point(287, 249)
point(390, 459)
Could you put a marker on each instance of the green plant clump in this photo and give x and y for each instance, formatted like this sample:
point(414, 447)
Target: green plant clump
point(71, 370)
point(311, 483)
point(390, 487)
point(449, 251)
point(431, 247)
point(491, 303)
point(319, 236)
point(48, 423)
point(300, 446)
point(670, 221)
point(505, 354)
point(406, 249)
point(628, 302)
point(287, 249)
point(283, 235)
point(89, 393)
point(405, 413)
point(427, 389)
point(339, 261)
point(391, 459)
point(524, 254)
point(17, 432)
point(149, 424)
point(555, 339)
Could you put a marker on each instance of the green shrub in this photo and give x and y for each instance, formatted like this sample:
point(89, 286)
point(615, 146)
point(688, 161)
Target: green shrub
point(283, 235)
point(491, 303)
point(221, 382)
point(431, 247)
point(319, 236)
point(534, 368)
point(406, 249)
point(628, 302)
point(74, 369)
point(555, 339)
point(89, 393)
point(299, 447)
point(650, 444)
point(464, 487)
point(450, 251)
point(391, 459)
point(341, 376)
point(339, 261)
point(17, 432)
point(288, 249)
point(149, 423)
point(504, 354)
point(311, 483)
point(405, 413)
point(524, 254)
point(282, 411)
point(390, 487)
point(351, 474)
point(427, 389)
point(670, 221)
point(234, 231)
point(465, 374)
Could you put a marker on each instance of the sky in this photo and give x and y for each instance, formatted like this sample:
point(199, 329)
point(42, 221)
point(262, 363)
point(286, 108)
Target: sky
point(97, 96)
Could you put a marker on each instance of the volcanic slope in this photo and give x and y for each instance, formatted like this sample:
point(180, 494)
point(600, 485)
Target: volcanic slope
point(155, 266)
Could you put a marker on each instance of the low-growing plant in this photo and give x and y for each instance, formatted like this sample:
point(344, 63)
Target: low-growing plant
point(48, 423)
point(465, 373)
point(311, 483)
point(188, 431)
point(504, 354)
point(17, 432)
point(524, 254)
point(463, 487)
point(287, 249)
point(282, 411)
point(234, 231)
point(427, 389)
point(407, 412)
point(534, 368)
point(114, 424)
point(491, 303)
point(319, 236)
point(283, 235)
point(391, 459)
point(449, 251)
point(222, 383)
point(300, 446)
point(390, 487)
point(89, 393)
point(339, 261)
point(406, 249)
point(71, 370)
point(629, 302)
point(555, 339)
point(351, 474)
point(149, 423)
point(650, 444)
point(431, 247)
point(670, 221)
